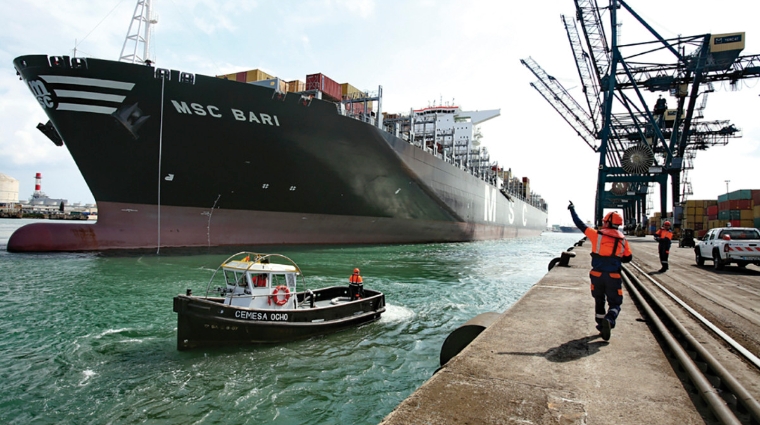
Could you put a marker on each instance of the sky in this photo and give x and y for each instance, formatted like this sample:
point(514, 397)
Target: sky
point(422, 52)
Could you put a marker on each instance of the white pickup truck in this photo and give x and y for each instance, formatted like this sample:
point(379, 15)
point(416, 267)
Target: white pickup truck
point(726, 245)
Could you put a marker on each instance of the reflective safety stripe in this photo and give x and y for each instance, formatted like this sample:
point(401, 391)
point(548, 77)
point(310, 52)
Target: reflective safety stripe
point(620, 292)
point(601, 316)
point(615, 275)
point(595, 273)
point(592, 287)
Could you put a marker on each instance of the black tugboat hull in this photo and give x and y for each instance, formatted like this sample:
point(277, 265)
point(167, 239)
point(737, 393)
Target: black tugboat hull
point(206, 322)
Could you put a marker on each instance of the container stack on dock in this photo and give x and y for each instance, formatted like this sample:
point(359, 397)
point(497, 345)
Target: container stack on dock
point(737, 208)
point(740, 208)
point(700, 215)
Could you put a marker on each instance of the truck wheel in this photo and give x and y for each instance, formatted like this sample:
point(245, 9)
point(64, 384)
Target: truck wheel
point(717, 262)
point(742, 264)
point(699, 257)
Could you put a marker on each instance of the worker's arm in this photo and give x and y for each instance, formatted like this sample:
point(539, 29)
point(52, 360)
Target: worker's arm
point(578, 222)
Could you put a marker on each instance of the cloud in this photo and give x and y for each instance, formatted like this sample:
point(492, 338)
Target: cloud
point(361, 8)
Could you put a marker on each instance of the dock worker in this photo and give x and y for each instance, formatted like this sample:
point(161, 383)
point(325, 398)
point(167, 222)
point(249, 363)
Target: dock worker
point(260, 281)
point(664, 237)
point(609, 250)
point(355, 286)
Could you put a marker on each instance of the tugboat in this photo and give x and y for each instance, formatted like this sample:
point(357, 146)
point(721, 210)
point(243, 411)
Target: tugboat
point(259, 303)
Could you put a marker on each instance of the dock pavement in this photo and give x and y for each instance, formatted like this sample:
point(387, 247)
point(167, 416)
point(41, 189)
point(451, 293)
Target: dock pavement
point(543, 362)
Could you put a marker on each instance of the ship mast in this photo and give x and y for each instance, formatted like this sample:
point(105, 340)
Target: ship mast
point(141, 20)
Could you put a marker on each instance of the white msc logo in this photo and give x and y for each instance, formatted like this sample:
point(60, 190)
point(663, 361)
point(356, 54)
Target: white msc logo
point(41, 93)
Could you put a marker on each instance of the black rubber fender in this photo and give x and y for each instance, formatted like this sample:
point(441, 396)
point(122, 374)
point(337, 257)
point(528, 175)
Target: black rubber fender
point(553, 263)
point(463, 335)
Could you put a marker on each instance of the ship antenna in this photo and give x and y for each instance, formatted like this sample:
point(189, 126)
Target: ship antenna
point(141, 20)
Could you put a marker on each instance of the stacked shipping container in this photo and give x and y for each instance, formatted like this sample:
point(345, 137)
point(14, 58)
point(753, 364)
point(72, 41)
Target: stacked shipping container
point(247, 76)
point(329, 88)
point(697, 215)
point(740, 208)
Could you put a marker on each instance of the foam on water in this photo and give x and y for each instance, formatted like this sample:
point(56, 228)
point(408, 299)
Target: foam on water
point(396, 313)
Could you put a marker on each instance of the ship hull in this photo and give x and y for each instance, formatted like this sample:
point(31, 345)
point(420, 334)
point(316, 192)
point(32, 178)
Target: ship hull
point(211, 162)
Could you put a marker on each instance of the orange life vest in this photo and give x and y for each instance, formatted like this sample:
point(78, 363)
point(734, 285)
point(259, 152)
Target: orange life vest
point(664, 234)
point(355, 278)
point(609, 243)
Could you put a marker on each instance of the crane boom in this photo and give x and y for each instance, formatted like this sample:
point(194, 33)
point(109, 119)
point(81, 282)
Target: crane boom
point(562, 102)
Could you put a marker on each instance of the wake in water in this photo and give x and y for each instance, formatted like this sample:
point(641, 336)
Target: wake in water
point(396, 313)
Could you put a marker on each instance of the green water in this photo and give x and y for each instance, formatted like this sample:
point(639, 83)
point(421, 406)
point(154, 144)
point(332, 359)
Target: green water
point(91, 339)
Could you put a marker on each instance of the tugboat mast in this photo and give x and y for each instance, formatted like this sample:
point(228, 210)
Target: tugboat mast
point(141, 20)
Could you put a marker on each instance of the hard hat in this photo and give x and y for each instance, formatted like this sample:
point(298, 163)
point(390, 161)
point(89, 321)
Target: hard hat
point(613, 219)
point(666, 224)
point(356, 270)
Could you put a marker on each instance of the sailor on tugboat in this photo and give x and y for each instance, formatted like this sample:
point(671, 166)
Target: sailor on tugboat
point(355, 286)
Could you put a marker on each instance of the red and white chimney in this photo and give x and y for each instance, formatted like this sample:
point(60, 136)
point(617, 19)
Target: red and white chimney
point(37, 185)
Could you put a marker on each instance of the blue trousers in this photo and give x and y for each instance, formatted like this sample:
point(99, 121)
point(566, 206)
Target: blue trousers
point(606, 287)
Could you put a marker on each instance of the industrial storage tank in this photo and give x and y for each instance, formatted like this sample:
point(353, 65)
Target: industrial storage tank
point(8, 190)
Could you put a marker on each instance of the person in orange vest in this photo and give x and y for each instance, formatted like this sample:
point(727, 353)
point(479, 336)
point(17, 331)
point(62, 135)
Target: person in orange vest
point(355, 286)
point(664, 237)
point(609, 250)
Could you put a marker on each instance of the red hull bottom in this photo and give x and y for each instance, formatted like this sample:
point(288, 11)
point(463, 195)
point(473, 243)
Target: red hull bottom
point(129, 226)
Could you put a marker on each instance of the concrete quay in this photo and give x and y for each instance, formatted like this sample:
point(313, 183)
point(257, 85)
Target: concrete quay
point(543, 362)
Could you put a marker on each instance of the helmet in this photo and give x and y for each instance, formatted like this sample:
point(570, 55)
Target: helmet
point(356, 270)
point(613, 219)
point(666, 224)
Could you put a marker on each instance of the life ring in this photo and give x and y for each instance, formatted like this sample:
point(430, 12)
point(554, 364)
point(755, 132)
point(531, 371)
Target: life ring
point(276, 297)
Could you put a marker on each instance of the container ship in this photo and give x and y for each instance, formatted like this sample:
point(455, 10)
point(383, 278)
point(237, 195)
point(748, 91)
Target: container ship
point(176, 159)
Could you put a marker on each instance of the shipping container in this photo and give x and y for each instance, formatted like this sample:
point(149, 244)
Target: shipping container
point(257, 75)
point(296, 86)
point(350, 92)
point(273, 83)
point(740, 194)
point(746, 214)
point(355, 108)
point(712, 210)
point(756, 211)
point(757, 222)
point(756, 197)
point(724, 205)
point(740, 204)
point(722, 198)
point(329, 88)
point(247, 76)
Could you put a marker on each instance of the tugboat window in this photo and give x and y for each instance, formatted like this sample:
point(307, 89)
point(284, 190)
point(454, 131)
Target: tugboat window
point(230, 277)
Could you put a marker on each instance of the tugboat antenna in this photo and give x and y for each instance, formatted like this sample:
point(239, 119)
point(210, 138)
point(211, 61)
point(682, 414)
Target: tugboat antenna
point(141, 20)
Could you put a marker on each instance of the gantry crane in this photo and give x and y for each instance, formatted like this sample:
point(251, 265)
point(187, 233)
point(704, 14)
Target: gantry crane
point(639, 143)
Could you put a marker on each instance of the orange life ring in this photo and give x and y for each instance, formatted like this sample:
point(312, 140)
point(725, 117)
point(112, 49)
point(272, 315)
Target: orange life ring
point(276, 297)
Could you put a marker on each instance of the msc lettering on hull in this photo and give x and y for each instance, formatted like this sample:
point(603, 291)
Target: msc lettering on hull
point(213, 111)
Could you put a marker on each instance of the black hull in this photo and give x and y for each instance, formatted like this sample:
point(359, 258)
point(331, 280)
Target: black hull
point(174, 163)
point(206, 322)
